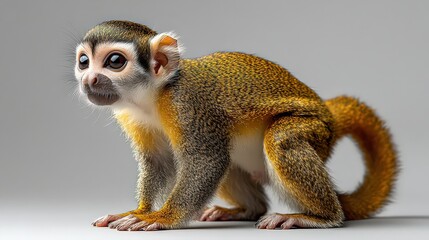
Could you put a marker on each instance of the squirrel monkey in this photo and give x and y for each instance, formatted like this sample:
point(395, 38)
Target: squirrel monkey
point(227, 123)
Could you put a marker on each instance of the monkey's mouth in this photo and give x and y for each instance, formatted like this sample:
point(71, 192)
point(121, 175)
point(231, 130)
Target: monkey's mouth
point(102, 99)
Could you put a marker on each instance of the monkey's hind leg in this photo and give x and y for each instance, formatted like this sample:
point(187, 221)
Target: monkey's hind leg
point(295, 149)
point(241, 191)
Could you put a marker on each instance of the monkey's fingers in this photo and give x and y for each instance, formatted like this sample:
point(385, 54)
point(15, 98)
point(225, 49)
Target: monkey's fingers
point(146, 226)
point(284, 221)
point(138, 226)
point(115, 224)
point(154, 227)
point(125, 225)
point(217, 213)
point(132, 223)
point(150, 222)
point(105, 220)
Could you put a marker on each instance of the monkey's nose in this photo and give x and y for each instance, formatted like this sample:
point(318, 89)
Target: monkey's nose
point(100, 89)
point(98, 83)
point(93, 81)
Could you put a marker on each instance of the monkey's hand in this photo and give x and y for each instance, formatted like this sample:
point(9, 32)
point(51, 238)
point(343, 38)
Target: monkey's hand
point(217, 213)
point(112, 220)
point(148, 222)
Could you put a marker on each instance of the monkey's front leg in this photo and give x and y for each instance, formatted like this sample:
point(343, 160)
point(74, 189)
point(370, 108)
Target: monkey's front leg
point(202, 168)
point(152, 177)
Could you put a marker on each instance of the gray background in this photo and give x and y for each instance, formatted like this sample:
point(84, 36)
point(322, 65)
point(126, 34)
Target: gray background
point(64, 164)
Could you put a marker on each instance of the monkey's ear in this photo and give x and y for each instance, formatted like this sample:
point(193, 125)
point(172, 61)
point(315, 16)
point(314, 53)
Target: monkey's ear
point(165, 54)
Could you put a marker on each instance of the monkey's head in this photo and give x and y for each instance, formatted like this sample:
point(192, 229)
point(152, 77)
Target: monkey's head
point(117, 60)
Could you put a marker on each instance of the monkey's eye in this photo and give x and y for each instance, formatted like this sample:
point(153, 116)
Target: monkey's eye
point(83, 61)
point(115, 61)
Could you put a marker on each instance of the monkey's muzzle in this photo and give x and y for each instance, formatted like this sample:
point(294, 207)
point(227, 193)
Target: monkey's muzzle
point(100, 90)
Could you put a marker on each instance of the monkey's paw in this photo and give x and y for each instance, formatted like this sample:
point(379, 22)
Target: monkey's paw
point(284, 221)
point(105, 221)
point(217, 213)
point(146, 222)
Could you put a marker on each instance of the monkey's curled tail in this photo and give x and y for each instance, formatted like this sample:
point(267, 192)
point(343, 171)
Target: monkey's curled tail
point(356, 119)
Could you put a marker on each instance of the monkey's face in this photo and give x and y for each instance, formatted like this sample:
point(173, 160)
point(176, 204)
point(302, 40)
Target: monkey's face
point(112, 73)
point(108, 73)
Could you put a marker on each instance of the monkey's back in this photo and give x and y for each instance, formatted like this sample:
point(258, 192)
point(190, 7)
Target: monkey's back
point(244, 86)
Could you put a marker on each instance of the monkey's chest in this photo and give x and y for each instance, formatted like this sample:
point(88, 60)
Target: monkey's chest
point(247, 152)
